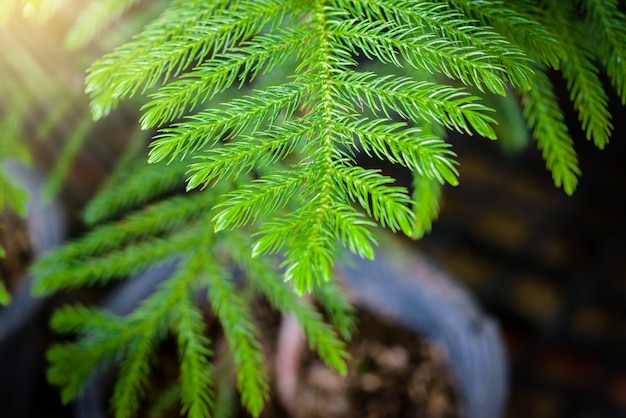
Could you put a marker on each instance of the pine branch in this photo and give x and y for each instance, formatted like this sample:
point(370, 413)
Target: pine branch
point(5, 298)
point(353, 230)
point(173, 42)
point(100, 350)
point(452, 26)
point(238, 65)
point(133, 375)
point(239, 115)
point(265, 278)
point(174, 303)
point(164, 217)
point(142, 183)
point(546, 121)
point(389, 205)
point(519, 22)
point(114, 265)
point(130, 63)
point(158, 313)
point(607, 27)
point(239, 158)
point(309, 247)
point(340, 311)
point(580, 72)
point(12, 126)
point(241, 336)
point(479, 58)
point(260, 197)
point(13, 196)
point(84, 321)
point(133, 338)
point(426, 195)
point(319, 335)
point(427, 155)
point(195, 369)
point(449, 106)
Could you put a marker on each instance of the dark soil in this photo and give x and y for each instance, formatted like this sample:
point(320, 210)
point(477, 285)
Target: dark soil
point(16, 243)
point(392, 373)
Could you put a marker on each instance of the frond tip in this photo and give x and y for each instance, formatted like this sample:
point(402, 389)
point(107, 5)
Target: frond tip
point(546, 121)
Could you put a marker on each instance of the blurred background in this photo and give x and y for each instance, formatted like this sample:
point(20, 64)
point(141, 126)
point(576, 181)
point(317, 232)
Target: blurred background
point(550, 268)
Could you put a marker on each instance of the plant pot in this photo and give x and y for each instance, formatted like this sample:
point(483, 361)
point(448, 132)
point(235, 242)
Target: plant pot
point(405, 286)
point(20, 333)
point(400, 285)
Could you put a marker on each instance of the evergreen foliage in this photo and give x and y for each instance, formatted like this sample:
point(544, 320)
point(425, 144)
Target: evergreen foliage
point(313, 124)
point(272, 169)
point(166, 225)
